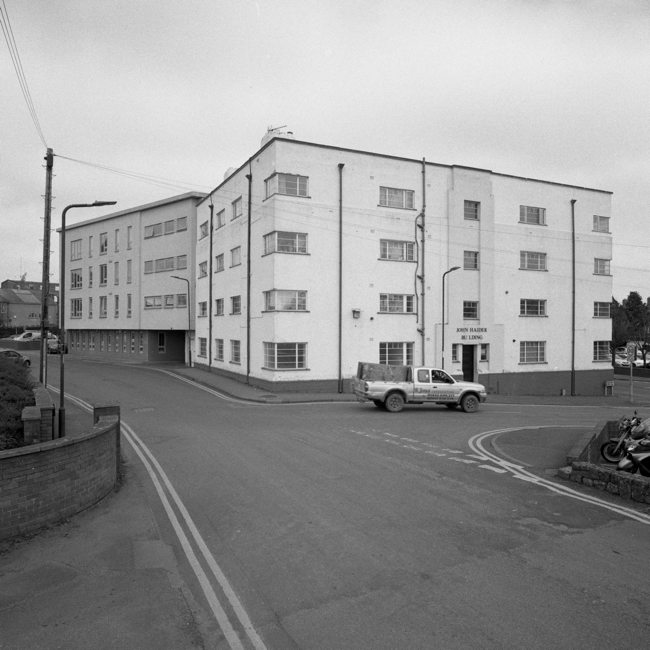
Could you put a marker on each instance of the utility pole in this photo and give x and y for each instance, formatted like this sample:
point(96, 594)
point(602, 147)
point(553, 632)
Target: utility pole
point(45, 288)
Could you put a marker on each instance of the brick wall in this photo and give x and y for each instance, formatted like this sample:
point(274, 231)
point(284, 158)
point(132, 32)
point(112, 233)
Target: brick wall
point(46, 483)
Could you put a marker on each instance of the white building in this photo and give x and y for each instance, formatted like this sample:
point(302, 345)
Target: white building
point(311, 258)
point(121, 298)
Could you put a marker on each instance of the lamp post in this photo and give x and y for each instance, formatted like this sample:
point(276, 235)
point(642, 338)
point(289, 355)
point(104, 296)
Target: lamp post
point(62, 281)
point(189, 319)
point(453, 268)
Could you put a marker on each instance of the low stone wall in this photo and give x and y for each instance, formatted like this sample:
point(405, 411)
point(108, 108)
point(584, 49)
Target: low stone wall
point(585, 467)
point(38, 420)
point(45, 483)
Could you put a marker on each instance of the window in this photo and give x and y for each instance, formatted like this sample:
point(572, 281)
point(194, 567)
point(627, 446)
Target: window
point(161, 342)
point(181, 262)
point(290, 184)
point(285, 356)
point(396, 354)
point(181, 224)
point(235, 305)
point(75, 308)
point(235, 351)
point(218, 307)
point(181, 300)
point(396, 251)
point(284, 300)
point(203, 347)
point(103, 275)
point(219, 263)
point(203, 309)
point(141, 343)
point(470, 309)
point(103, 243)
point(129, 238)
point(170, 226)
point(532, 352)
point(117, 240)
point(391, 197)
point(485, 352)
point(148, 266)
point(117, 306)
point(75, 250)
point(235, 256)
point(116, 272)
point(472, 210)
point(164, 264)
point(203, 230)
point(285, 242)
point(470, 260)
point(153, 230)
point(90, 307)
point(531, 215)
point(152, 302)
point(221, 218)
point(601, 267)
point(218, 349)
point(90, 277)
point(90, 245)
point(76, 279)
point(601, 224)
point(532, 307)
point(103, 306)
point(203, 269)
point(169, 301)
point(602, 310)
point(237, 208)
point(129, 305)
point(129, 271)
point(396, 303)
point(602, 351)
point(532, 261)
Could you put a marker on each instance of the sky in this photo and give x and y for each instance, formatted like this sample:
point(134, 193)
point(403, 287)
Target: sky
point(550, 89)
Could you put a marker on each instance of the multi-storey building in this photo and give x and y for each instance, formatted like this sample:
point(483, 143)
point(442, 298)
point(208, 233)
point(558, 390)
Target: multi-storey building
point(128, 276)
point(311, 258)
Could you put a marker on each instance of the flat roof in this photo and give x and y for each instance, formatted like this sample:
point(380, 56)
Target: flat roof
point(402, 158)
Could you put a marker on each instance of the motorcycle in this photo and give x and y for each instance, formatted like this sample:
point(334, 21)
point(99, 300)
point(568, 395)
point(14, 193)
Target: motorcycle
point(637, 458)
point(614, 449)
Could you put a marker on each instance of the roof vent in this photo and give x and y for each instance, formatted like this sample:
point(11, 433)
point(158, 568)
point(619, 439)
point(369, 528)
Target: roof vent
point(275, 132)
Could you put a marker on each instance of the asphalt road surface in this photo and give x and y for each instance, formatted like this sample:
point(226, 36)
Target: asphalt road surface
point(342, 526)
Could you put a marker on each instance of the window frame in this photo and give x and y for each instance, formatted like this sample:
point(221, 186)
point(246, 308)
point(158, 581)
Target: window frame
point(525, 258)
point(527, 215)
point(282, 182)
point(396, 303)
point(397, 250)
point(470, 260)
point(296, 352)
point(602, 266)
point(532, 352)
point(388, 198)
point(601, 224)
point(471, 310)
point(471, 210)
point(598, 308)
point(282, 297)
point(388, 350)
point(602, 351)
point(75, 250)
point(527, 307)
point(286, 242)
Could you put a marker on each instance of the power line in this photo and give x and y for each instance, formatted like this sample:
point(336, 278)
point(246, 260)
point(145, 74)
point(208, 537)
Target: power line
point(145, 178)
point(18, 67)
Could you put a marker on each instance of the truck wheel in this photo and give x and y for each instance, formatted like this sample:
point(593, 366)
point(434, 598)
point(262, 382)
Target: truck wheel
point(394, 403)
point(469, 403)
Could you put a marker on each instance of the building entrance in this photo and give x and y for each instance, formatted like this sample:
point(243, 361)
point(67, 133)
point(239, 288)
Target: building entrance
point(469, 354)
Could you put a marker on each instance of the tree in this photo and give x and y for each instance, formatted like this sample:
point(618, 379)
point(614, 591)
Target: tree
point(631, 323)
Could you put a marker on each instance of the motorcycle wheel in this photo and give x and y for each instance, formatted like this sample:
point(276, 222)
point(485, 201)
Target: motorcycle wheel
point(609, 453)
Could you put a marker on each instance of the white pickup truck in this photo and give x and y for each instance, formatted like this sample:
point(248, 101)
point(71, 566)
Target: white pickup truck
point(394, 386)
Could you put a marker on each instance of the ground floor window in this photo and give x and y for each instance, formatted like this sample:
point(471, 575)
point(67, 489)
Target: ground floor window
point(235, 351)
point(203, 346)
point(161, 342)
point(285, 356)
point(396, 354)
point(532, 352)
point(485, 352)
point(218, 349)
point(602, 351)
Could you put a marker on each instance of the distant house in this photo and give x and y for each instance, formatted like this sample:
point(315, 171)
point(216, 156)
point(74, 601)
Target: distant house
point(20, 308)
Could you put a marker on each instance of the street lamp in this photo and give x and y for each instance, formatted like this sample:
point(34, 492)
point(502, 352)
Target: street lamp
point(189, 319)
point(453, 268)
point(62, 281)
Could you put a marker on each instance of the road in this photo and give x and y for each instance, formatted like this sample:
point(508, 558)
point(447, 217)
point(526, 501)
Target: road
point(342, 526)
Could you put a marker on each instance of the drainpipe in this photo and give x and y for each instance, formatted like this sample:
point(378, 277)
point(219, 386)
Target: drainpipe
point(573, 297)
point(249, 176)
point(422, 278)
point(340, 386)
point(210, 286)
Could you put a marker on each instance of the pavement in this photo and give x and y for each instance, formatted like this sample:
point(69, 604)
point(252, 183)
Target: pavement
point(106, 579)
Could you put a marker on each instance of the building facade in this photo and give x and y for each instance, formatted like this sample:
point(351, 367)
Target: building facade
point(311, 258)
point(21, 306)
point(122, 300)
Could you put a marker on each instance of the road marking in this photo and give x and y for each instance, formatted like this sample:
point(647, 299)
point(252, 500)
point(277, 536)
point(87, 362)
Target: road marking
point(159, 477)
point(517, 471)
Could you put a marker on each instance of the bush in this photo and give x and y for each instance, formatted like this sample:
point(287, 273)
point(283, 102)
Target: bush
point(15, 393)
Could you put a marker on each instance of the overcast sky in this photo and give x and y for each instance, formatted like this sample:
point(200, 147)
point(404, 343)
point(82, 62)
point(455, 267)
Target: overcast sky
point(550, 89)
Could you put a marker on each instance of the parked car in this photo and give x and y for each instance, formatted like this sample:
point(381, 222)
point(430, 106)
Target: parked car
point(621, 361)
point(13, 355)
point(28, 335)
